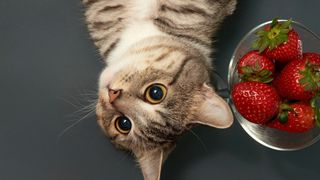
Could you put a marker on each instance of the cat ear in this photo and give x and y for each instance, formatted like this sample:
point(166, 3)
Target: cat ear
point(213, 110)
point(151, 162)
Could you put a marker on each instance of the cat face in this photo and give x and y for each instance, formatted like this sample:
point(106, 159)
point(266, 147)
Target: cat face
point(146, 103)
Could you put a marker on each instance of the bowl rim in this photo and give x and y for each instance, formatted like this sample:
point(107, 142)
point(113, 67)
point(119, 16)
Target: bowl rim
point(229, 81)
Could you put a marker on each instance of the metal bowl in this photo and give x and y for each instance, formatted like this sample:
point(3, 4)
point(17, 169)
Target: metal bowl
point(269, 137)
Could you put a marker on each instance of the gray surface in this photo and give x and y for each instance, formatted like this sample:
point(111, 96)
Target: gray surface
point(48, 62)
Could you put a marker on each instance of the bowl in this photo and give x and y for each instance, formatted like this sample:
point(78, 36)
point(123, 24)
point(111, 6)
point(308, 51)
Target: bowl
point(269, 137)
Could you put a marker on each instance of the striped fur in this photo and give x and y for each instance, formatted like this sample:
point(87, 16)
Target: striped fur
point(156, 41)
point(194, 21)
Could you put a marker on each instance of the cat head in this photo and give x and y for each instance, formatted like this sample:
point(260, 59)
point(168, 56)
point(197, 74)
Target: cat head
point(153, 95)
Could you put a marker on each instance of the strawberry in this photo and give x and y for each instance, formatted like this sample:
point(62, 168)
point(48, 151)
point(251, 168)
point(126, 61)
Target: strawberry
point(299, 79)
point(312, 57)
point(255, 67)
point(298, 117)
point(279, 42)
point(255, 101)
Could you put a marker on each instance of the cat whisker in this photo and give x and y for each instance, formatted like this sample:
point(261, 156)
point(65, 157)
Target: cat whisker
point(69, 102)
point(88, 94)
point(200, 140)
point(74, 124)
point(82, 107)
point(86, 108)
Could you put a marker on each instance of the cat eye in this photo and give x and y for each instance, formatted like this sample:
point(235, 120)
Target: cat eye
point(123, 124)
point(155, 93)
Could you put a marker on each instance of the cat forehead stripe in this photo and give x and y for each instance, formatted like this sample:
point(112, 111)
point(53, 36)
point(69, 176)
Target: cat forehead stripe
point(180, 70)
point(109, 8)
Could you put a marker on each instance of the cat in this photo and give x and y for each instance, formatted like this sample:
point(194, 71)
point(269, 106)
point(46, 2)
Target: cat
point(156, 84)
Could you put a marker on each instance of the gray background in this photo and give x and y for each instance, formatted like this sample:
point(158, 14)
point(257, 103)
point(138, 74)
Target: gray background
point(49, 70)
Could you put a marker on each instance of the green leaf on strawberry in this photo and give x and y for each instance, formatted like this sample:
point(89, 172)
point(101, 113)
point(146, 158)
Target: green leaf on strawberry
point(315, 104)
point(279, 41)
point(273, 37)
point(255, 67)
point(300, 119)
point(310, 76)
point(296, 81)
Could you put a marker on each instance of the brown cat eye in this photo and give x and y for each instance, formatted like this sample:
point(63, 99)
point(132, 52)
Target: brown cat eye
point(155, 93)
point(123, 124)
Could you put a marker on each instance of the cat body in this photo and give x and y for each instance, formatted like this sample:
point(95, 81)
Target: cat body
point(156, 83)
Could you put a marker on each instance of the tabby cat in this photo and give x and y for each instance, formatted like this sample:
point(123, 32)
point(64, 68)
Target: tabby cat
point(156, 83)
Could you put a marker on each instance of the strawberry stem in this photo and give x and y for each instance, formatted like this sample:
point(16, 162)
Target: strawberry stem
point(273, 36)
point(283, 117)
point(285, 106)
point(284, 112)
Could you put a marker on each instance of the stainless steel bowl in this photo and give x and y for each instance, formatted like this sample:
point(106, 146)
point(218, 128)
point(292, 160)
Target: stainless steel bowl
point(272, 138)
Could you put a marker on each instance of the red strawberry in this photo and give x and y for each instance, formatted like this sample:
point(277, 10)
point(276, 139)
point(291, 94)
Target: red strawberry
point(255, 67)
point(312, 57)
point(299, 79)
point(299, 118)
point(279, 42)
point(255, 101)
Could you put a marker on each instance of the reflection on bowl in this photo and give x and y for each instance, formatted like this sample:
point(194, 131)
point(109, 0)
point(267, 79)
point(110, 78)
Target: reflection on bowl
point(273, 138)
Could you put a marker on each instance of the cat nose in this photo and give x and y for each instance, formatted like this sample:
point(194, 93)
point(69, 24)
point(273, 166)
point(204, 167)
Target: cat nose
point(113, 95)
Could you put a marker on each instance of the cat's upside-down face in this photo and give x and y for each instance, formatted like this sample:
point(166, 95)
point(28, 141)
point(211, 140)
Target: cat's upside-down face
point(154, 95)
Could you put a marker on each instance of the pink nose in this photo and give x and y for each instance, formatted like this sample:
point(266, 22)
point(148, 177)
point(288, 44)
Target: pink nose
point(113, 95)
